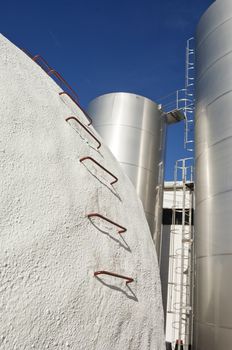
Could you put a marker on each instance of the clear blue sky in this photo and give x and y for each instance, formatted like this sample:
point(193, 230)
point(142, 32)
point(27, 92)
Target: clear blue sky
point(105, 45)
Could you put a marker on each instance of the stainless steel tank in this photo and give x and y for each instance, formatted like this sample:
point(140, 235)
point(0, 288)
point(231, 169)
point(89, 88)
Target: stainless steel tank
point(134, 129)
point(213, 224)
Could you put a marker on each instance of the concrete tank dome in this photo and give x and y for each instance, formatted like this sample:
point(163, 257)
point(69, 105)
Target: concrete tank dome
point(71, 226)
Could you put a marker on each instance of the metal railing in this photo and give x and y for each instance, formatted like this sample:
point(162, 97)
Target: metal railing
point(189, 95)
point(62, 81)
point(41, 61)
point(51, 72)
point(184, 99)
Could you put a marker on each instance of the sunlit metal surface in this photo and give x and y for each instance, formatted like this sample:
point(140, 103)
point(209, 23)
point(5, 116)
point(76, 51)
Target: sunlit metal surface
point(134, 129)
point(213, 313)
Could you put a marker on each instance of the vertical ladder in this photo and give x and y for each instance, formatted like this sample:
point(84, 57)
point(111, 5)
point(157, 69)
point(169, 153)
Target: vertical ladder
point(185, 97)
point(180, 301)
point(181, 259)
point(189, 95)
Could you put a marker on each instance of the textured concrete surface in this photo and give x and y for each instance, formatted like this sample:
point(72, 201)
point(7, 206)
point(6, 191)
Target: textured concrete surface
point(49, 249)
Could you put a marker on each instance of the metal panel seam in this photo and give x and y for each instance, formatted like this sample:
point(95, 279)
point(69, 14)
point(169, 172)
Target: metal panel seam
point(212, 64)
point(215, 195)
point(136, 166)
point(130, 126)
point(209, 256)
point(212, 145)
point(215, 29)
point(212, 325)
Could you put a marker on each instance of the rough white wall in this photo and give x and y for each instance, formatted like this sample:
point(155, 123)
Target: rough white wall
point(49, 249)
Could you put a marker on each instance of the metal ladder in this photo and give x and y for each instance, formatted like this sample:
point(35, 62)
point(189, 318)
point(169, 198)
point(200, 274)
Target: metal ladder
point(183, 99)
point(189, 95)
point(180, 298)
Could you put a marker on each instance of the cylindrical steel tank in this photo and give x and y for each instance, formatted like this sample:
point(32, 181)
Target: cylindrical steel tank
point(134, 129)
point(213, 291)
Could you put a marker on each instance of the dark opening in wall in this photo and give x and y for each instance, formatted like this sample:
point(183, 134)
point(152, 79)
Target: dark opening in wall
point(167, 216)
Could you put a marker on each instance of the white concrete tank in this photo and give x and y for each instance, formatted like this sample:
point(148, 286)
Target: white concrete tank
point(76, 272)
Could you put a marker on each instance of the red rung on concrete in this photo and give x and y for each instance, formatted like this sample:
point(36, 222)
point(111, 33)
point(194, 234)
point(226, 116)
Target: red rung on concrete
point(122, 229)
point(107, 171)
point(85, 113)
point(62, 80)
point(50, 70)
point(129, 279)
point(86, 129)
point(38, 58)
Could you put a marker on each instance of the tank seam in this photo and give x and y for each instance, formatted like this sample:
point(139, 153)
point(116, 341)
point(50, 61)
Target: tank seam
point(212, 31)
point(213, 325)
point(212, 102)
point(132, 127)
point(142, 167)
point(218, 97)
point(214, 144)
point(215, 195)
point(212, 64)
point(212, 255)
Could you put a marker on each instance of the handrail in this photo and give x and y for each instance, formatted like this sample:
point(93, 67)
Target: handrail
point(129, 279)
point(27, 52)
point(122, 229)
point(38, 57)
point(86, 129)
point(107, 171)
point(59, 77)
point(49, 70)
point(85, 113)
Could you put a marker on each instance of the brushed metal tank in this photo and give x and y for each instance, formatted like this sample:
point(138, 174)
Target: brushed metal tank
point(134, 129)
point(213, 225)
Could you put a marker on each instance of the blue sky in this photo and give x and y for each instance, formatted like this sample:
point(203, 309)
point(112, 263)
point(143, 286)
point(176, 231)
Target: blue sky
point(104, 46)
